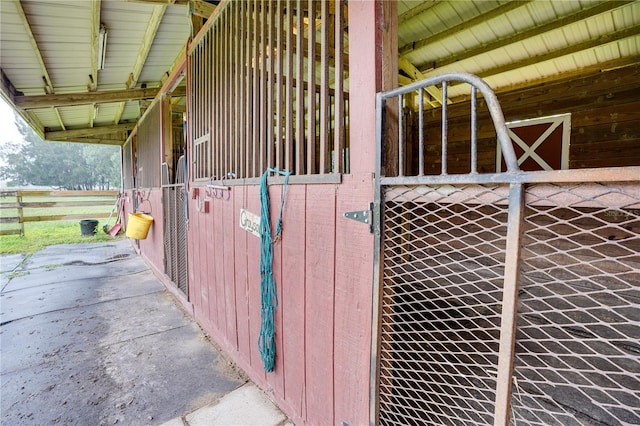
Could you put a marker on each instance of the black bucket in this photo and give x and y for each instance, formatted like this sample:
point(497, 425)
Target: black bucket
point(89, 226)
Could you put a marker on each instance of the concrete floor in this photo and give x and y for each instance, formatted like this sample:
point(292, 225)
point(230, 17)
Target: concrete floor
point(88, 335)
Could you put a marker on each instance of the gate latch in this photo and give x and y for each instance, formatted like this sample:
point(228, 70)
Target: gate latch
point(363, 216)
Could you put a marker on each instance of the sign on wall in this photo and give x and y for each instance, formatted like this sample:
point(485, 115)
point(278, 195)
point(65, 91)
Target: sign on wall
point(250, 222)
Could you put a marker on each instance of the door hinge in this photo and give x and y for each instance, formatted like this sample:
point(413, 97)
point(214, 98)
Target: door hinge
point(362, 216)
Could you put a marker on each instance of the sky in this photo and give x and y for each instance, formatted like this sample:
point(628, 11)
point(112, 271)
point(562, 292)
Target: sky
point(8, 129)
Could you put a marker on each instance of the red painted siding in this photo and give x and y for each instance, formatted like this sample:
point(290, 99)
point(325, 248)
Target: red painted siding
point(323, 320)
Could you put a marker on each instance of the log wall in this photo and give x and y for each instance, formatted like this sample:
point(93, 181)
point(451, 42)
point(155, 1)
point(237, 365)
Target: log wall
point(605, 122)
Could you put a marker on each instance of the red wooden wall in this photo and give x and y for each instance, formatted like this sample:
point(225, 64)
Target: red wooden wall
point(323, 267)
point(323, 272)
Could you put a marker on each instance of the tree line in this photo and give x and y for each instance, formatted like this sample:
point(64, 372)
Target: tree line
point(61, 165)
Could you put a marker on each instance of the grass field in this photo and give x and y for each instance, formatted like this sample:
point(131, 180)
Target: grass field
point(42, 234)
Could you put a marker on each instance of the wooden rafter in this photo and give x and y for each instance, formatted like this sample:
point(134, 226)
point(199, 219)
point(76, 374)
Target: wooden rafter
point(63, 135)
point(36, 49)
point(95, 32)
point(202, 9)
point(553, 25)
point(419, 9)
point(145, 48)
point(70, 99)
point(415, 75)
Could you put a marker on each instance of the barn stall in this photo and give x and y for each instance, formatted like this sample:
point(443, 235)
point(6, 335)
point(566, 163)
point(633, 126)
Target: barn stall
point(488, 281)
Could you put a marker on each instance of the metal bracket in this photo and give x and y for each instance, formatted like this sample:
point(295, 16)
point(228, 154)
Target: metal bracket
point(362, 216)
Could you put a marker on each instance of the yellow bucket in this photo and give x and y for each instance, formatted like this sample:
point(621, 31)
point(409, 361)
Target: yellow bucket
point(138, 225)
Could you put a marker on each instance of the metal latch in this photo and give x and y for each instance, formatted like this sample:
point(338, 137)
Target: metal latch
point(362, 216)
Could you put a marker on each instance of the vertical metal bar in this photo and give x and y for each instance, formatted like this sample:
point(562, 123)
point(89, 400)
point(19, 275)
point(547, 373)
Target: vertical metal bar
point(300, 130)
point(377, 287)
point(444, 128)
point(218, 98)
point(224, 93)
point(270, 86)
point(311, 88)
point(248, 72)
point(288, 149)
point(236, 76)
point(263, 86)
point(255, 63)
point(242, 69)
point(421, 132)
point(278, 56)
point(509, 305)
point(400, 138)
point(474, 129)
point(338, 98)
point(324, 85)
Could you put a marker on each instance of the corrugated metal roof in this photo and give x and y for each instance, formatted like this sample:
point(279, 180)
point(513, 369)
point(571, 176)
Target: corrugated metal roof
point(508, 43)
point(62, 31)
point(511, 43)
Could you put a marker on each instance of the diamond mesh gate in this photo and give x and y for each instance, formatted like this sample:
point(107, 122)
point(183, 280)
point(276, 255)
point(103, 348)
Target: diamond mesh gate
point(508, 298)
point(175, 235)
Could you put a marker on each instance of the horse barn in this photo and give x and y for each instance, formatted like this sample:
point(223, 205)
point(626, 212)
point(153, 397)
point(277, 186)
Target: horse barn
point(411, 212)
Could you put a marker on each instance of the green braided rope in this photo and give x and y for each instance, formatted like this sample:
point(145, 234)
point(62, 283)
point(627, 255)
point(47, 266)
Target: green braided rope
point(269, 296)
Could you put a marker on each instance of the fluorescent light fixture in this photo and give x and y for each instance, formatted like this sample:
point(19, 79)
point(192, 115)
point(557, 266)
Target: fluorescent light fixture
point(102, 46)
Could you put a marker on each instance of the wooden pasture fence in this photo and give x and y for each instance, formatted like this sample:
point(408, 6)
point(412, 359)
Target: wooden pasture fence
point(62, 200)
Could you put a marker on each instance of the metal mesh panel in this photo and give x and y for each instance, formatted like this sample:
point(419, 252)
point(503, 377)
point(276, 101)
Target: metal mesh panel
point(577, 351)
point(175, 238)
point(443, 251)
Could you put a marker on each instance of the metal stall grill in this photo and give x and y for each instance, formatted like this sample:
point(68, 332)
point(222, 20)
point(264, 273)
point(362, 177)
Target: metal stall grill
point(175, 238)
point(510, 298)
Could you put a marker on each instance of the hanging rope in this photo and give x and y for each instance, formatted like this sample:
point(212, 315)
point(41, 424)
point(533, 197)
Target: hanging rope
point(269, 296)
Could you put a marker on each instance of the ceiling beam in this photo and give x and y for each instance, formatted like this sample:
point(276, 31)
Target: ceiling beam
point(202, 9)
point(415, 75)
point(71, 99)
point(160, 2)
point(95, 32)
point(553, 25)
point(63, 135)
point(418, 10)
point(466, 25)
point(143, 53)
point(36, 49)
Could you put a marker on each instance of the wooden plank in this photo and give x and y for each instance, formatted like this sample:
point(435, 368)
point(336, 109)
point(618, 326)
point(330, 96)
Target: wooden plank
point(25, 193)
point(82, 98)
point(42, 204)
point(227, 253)
point(319, 303)
point(293, 298)
point(64, 217)
point(10, 232)
point(216, 259)
point(241, 278)
point(15, 219)
point(253, 273)
point(276, 379)
point(353, 301)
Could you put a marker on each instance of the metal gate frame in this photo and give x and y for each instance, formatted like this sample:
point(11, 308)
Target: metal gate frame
point(518, 183)
point(175, 235)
